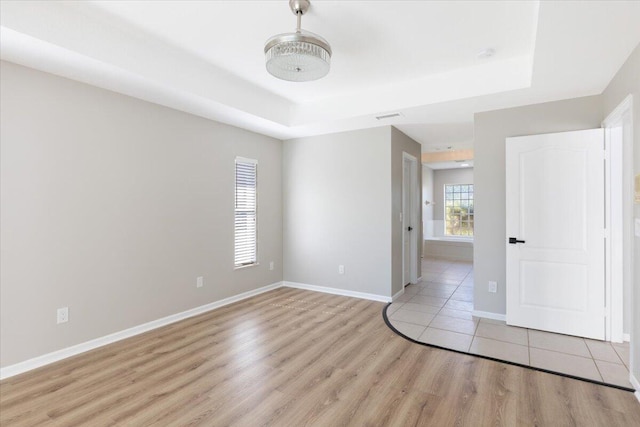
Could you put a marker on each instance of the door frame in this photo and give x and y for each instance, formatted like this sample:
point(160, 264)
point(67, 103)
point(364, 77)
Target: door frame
point(619, 212)
point(410, 218)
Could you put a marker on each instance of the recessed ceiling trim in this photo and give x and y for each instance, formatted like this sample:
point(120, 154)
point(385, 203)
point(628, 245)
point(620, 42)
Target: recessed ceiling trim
point(496, 76)
point(163, 52)
point(30, 52)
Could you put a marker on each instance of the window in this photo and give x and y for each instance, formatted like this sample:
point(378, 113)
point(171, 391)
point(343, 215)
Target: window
point(458, 209)
point(246, 206)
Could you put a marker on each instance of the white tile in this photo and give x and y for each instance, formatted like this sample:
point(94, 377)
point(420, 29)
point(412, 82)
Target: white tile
point(502, 333)
point(460, 314)
point(432, 268)
point(420, 286)
point(462, 296)
point(409, 330)
point(453, 275)
point(621, 344)
point(424, 308)
point(414, 317)
point(393, 307)
point(441, 293)
point(441, 287)
point(454, 324)
point(614, 373)
point(411, 290)
point(564, 363)
point(500, 350)
point(558, 342)
point(601, 350)
point(403, 298)
point(446, 339)
point(623, 352)
point(444, 281)
point(493, 321)
point(458, 269)
point(425, 299)
point(459, 305)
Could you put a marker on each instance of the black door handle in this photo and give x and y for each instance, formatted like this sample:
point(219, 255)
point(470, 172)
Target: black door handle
point(409, 228)
point(514, 240)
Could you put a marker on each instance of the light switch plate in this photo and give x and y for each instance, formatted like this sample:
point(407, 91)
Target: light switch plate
point(637, 227)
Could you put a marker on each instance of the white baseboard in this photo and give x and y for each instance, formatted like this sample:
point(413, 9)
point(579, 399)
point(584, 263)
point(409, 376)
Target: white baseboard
point(46, 359)
point(489, 315)
point(398, 294)
point(626, 337)
point(64, 353)
point(336, 291)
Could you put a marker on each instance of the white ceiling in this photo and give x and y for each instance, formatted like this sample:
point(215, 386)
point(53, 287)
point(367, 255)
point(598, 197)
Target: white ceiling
point(374, 44)
point(417, 57)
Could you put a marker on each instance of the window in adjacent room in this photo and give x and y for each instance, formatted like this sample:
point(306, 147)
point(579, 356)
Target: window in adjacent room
point(246, 212)
point(458, 210)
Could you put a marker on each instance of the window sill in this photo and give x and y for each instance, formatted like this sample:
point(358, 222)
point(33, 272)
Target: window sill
point(241, 267)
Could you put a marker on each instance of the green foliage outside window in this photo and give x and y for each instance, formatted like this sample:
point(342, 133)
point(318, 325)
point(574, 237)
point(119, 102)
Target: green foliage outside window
point(458, 210)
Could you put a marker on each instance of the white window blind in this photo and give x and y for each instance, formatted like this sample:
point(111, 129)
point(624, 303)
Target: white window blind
point(246, 212)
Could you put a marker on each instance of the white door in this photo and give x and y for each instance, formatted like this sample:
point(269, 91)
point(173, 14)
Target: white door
point(555, 232)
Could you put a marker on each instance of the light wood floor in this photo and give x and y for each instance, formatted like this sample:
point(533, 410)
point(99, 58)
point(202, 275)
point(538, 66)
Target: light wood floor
point(294, 358)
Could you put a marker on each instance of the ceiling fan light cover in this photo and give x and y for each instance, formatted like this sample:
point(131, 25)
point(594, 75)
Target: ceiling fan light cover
point(297, 57)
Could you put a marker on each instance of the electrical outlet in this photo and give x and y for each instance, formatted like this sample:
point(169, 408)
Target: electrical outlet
point(341, 269)
point(493, 287)
point(63, 315)
point(271, 265)
point(199, 282)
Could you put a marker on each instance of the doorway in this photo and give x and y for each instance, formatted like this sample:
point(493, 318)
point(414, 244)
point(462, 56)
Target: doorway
point(410, 218)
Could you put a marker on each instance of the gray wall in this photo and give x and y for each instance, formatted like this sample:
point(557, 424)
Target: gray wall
point(490, 130)
point(427, 195)
point(113, 206)
point(401, 143)
point(336, 210)
point(625, 82)
point(447, 176)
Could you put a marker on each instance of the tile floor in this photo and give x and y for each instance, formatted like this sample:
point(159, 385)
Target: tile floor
point(438, 311)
